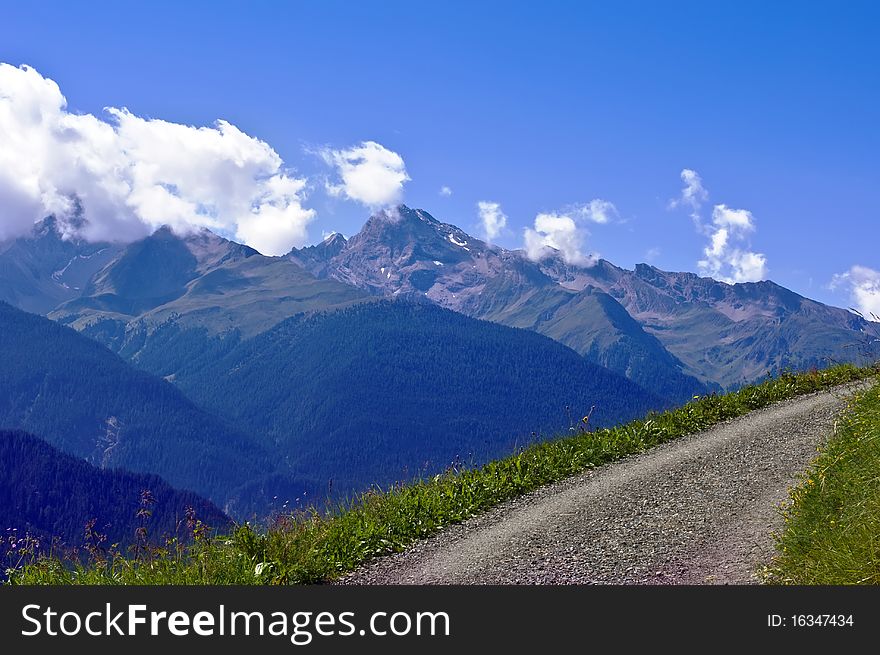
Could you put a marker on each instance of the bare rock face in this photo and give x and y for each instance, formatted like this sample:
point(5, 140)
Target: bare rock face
point(406, 253)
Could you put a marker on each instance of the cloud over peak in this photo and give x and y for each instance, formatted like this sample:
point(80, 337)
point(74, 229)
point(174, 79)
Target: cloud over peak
point(727, 255)
point(564, 231)
point(492, 219)
point(556, 231)
point(368, 173)
point(863, 285)
point(122, 177)
point(726, 258)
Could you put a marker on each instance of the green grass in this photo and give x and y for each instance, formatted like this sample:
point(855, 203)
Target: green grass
point(306, 547)
point(832, 523)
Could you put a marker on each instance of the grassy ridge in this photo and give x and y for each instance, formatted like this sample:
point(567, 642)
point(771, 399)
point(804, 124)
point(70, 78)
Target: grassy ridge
point(832, 524)
point(306, 547)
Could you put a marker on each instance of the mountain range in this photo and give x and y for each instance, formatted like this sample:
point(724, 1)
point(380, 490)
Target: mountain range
point(409, 347)
point(245, 378)
point(672, 332)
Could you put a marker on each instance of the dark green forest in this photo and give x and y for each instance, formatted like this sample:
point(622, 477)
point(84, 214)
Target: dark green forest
point(48, 494)
point(320, 406)
point(84, 400)
point(386, 392)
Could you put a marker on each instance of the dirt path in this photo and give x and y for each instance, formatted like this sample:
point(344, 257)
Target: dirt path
point(697, 510)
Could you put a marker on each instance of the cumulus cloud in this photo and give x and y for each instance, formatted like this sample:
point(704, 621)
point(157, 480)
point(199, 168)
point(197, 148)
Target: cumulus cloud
point(564, 231)
point(120, 177)
point(560, 232)
point(369, 173)
point(445, 191)
point(693, 195)
point(493, 220)
point(863, 285)
point(597, 210)
point(725, 257)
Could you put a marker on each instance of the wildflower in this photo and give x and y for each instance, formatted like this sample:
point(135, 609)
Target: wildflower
point(147, 501)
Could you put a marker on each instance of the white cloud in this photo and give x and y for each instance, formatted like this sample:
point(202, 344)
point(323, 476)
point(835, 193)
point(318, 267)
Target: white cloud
point(735, 219)
point(563, 230)
point(748, 266)
point(120, 178)
point(863, 285)
point(726, 256)
point(652, 254)
point(597, 210)
point(493, 220)
point(557, 231)
point(693, 195)
point(445, 191)
point(368, 173)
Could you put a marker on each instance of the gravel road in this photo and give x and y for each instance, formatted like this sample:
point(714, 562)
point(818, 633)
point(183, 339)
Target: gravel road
point(698, 510)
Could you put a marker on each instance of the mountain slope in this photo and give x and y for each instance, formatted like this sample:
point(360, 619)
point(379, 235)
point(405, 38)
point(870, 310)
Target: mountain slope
point(87, 402)
point(381, 392)
point(733, 334)
point(50, 494)
point(199, 280)
point(674, 332)
point(406, 253)
point(43, 270)
point(193, 323)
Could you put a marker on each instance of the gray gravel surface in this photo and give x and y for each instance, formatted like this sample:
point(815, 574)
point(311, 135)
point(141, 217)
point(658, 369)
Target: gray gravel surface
point(697, 510)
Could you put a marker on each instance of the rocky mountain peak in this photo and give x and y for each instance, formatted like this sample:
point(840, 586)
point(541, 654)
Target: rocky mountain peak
point(212, 250)
point(400, 214)
point(334, 240)
point(47, 227)
point(399, 224)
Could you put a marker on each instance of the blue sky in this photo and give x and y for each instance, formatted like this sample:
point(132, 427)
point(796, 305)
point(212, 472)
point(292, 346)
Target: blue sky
point(539, 108)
